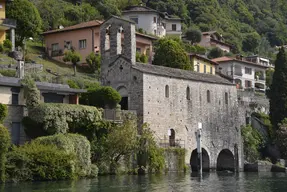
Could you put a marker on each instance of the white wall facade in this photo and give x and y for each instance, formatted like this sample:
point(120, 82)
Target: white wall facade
point(146, 22)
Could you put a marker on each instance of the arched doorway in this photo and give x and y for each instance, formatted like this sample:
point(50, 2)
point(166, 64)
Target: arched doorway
point(225, 161)
point(194, 160)
point(125, 101)
point(171, 138)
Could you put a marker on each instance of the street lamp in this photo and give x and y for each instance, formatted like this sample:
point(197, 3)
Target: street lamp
point(199, 148)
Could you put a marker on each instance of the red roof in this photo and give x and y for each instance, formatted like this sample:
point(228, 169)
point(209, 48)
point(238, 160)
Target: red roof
point(88, 24)
point(203, 58)
point(94, 23)
point(222, 59)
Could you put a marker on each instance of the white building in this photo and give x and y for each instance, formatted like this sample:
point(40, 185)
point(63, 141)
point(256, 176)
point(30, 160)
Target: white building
point(259, 60)
point(247, 75)
point(153, 22)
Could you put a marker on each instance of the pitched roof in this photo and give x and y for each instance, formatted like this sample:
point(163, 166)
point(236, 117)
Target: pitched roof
point(225, 59)
point(43, 86)
point(203, 58)
point(139, 9)
point(180, 74)
point(83, 25)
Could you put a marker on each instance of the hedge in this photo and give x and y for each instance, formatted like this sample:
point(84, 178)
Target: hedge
point(72, 144)
point(36, 161)
point(4, 145)
point(62, 118)
point(3, 112)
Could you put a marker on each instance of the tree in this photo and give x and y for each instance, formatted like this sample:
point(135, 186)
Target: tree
point(278, 90)
point(73, 57)
point(94, 62)
point(28, 19)
point(101, 96)
point(282, 137)
point(251, 42)
point(269, 76)
point(169, 53)
point(141, 58)
point(193, 35)
point(215, 53)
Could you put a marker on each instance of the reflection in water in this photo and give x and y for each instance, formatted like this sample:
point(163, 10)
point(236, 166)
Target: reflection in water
point(173, 182)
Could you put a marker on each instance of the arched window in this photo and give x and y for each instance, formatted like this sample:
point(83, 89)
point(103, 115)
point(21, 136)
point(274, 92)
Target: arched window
point(226, 98)
point(188, 93)
point(171, 138)
point(208, 96)
point(167, 91)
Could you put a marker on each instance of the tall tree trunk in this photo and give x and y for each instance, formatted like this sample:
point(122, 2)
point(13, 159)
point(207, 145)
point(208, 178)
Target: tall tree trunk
point(75, 69)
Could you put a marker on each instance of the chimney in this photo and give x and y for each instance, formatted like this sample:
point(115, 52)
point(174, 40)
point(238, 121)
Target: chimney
point(20, 69)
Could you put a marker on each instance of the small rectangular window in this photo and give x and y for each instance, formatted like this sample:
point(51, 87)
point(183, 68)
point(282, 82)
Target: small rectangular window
point(55, 47)
point(155, 32)
point(15, 98)
point(248, 70)
point(82, 44)
point(197, 68)
point(138, 50)
point(211, 70)
point(135, 19)
point(173, 27)
point(68, 45)
point(154, 19)
point(204, 70)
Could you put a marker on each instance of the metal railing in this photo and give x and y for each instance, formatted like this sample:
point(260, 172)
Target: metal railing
point(8, 22)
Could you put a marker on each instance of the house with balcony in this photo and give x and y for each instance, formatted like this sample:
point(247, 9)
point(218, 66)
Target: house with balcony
point(153, 22)
point(6, 24)
point(202, 64)
point(259, 60)
point(84, 38)
point(245, 74)
point(211, 39)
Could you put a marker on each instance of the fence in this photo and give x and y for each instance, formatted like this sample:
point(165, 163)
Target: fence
point(29, 67)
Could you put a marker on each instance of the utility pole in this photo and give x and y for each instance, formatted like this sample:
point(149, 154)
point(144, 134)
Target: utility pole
point(199, 149)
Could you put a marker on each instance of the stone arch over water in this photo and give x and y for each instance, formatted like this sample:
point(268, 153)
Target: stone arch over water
point(225, 161)
point(205, 160)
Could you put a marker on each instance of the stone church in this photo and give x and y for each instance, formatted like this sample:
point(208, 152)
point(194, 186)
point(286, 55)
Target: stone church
point(173, 101)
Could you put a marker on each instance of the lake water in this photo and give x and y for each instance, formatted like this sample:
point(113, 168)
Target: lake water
point(173, 182)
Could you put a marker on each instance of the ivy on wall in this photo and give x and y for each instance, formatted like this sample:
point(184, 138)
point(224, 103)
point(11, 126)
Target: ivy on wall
point(63, 118)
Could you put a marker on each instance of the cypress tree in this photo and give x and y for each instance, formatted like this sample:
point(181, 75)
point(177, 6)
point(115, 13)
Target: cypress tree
point(278, 90)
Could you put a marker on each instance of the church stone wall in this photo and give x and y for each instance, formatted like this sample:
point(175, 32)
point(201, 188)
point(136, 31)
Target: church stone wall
point(221, 128)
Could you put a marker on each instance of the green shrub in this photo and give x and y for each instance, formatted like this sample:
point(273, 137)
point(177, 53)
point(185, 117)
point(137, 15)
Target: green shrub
point(1, 47)
point(62, 118)
point(7, 44)
point(94, 62)
point(72, 84)
point(72, 144)
point(36, 161)
point(252, 141)
point(3, 112)
point(33, 129)
point(94, 170)
point(8, 73)
point(31, 92)
point(4, 145)
point(103, 97)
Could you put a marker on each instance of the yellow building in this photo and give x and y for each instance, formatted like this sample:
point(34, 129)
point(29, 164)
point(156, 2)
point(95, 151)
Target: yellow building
point(6, 24)
point(202, 64)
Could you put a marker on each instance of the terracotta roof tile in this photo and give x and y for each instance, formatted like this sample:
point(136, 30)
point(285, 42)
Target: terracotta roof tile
point(226, 59)
point(93, 23)
point(221, 59)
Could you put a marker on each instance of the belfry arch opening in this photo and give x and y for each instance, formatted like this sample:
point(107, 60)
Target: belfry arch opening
point(194, 161)
point(225, 161)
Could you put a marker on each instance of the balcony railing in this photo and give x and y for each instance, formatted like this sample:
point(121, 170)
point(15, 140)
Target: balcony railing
point(8, 22)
